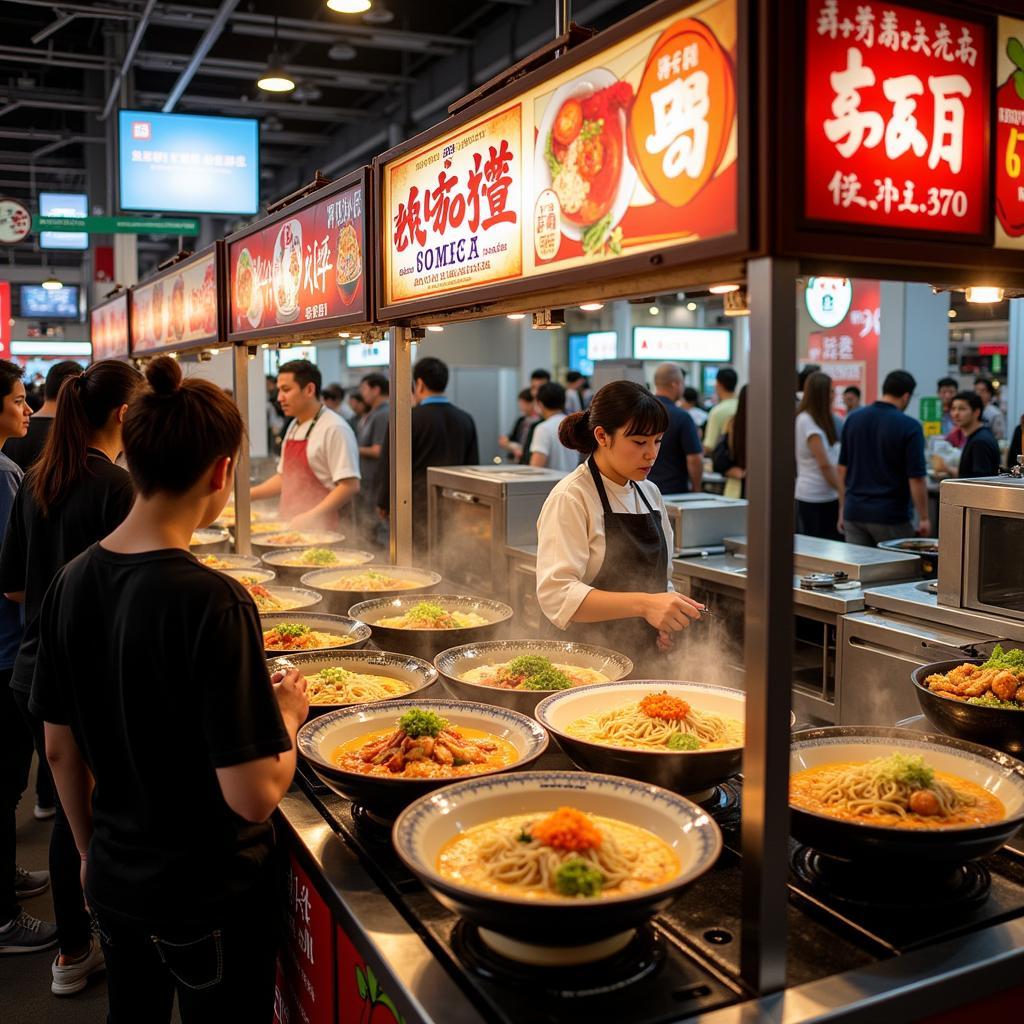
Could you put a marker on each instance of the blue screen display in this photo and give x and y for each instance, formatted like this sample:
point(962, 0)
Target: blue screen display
point(63, 204)
point(182, 163)
point(578, 360)
point(62, 304)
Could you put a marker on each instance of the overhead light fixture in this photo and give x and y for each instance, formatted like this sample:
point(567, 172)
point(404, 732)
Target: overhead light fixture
point(53, 283)
point(349, 6)
point(736, 303)
point(723, 289)
point(654, 311)
point(275, 78)
point(591, 307)
point(951, 314)
point(984, 293)
point(549, 319)
point(691, 306)
point(436, 328)
point(342, 51)
point(344, 334)
point(515, 316)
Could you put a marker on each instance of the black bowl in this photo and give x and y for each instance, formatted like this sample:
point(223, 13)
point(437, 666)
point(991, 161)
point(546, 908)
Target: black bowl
point(856, 841)
point(1002, 728)
point(340, 625)
point(338, 598)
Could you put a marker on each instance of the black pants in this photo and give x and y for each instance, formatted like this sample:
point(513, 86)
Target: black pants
point(818, 519)
point(223, 972)
point(15, 761)
point(73, 924)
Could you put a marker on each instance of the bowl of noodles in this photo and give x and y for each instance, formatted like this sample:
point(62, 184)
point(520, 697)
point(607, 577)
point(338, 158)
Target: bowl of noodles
point(519, 674)
point(288, 633)
point(209, 540)
point(556, 868)
point(344, 588)
point(250, 576)
point(687, 737)
point(383, 756)
point(270, 536)
point(270, 597)
point(864, 792)
point(226, 560)
point(291, 564)
point(425, 625)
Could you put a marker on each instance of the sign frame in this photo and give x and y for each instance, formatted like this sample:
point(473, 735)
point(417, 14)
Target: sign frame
point(317, 328)
point(220, 335)
point(737, 245)
point(122, 294)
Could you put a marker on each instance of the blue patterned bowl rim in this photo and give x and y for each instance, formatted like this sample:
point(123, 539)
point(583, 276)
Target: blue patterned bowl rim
point(430, 578)
point(446, 601)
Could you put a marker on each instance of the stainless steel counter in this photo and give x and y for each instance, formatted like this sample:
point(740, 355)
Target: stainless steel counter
point(869, 565)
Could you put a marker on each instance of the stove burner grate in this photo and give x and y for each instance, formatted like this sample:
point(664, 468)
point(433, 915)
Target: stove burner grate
point(371, 828)
point(724, 804)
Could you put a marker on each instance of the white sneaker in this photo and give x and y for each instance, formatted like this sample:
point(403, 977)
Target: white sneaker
point(41, 813)
point(27, 934)
point(29, 883)
point(73, 977)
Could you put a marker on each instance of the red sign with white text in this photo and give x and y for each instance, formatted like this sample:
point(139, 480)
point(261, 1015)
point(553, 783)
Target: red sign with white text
point(5, 318)
point(305, 267)
point(1010, 136)
point(108, 329)
point(896, 113)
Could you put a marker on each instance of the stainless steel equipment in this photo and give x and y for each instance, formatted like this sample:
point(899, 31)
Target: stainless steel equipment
point(475, 512)
point(981, 536)
point(866, 565)
point(701, 522)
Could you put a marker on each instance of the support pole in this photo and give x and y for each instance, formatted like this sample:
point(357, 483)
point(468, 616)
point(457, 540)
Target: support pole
point(243, 506)
point(771, 472)
point(400, 442)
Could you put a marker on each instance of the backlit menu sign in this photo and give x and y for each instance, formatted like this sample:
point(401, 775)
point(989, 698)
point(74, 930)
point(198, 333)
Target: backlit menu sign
point(688, 344)
point(896, 117)
point(631, 150)
point(303, 268)
point(108, 328)
point(5, 318)
point(1010, 135)
point(179, 308)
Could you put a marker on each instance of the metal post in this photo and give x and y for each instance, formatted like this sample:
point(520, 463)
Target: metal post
point(243, 506)
point(400, 446)
point(769, 621)
point(562, 13)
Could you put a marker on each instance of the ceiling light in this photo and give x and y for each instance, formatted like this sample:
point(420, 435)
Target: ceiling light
point(53, 283)
point(691, 306)
point(984, 294)
point(344, 334)
point(349, 6)
point(515, 316)
point(275, 78)
point(951, 314)
point(654, 311)
point(723, 289)
point(591, 307)
point(342, 51)
point(437, 328)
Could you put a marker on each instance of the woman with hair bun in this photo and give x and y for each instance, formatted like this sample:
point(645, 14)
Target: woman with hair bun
point(604, 553)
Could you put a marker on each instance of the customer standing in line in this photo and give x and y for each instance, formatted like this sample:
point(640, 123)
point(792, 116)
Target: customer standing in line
point(851, 399)
point(513, 441)
point(980, 455)
point(818, 487)
point(679, 466)
point(690, 404)
point(189, 740)
point(373, 431)
point(25, 450)
point(20, 932)
point(724, 409)
point(991, 416)
point(947, 389)
point(546, 449)
point(72, 496)
point(882, 468)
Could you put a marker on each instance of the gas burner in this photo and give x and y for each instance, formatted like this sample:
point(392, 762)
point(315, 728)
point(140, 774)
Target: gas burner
point(641, 957)
point(370, 827)
point(924, 890)
point(724, 804)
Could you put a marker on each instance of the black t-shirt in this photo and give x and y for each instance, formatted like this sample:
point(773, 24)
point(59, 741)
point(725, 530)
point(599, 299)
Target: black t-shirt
point(980, 456)
point(37, 546)
point(670, 471)
point(157, 665)
point(25, 450)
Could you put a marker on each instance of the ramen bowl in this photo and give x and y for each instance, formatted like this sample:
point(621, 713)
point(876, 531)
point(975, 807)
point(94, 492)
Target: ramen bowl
point(425, 643)
point(287, 538)
point(1000, 774)
point(693, 772)
point(294, 597)
point(1002, 728)
point(455, 662)
point(285, 562)
point(342, 590)
point(382, 797)
point(247, 576)
point(230, 561)
point(209, 540)
point(357, 632)
point(571, 929)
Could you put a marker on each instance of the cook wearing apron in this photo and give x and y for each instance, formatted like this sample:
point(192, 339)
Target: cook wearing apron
point(300, 488)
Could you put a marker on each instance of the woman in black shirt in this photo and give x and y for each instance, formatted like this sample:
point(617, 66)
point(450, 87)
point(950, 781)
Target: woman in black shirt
point(190, 742)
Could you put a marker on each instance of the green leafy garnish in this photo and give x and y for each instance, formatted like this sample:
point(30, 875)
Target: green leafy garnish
point(432, 614)
point(683, 741)
point(549, 679)
point(554, 166)
point(524, 836)
point(1012, 660)
point(319, 556)
point(578, 878)
point(988, 701)
point(292, 629)
point(417, 722)
point(528, 665)
point(906, 768)
point(595, 236)
point(334, 675)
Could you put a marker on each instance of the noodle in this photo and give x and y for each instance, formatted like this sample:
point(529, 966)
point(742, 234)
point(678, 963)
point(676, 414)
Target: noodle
point(531, 672)
point(659, 722)
point(427, 615)
point(369, 580)
point(339, 686)
point(290, 636)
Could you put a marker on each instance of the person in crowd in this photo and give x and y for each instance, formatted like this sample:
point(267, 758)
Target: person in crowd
point(275, 417)
point(690, 404)
point(801, 378)
point(724, 409)
point(25, 450)
point(318, 472)
point(730, 455)
point(577, 392)
point(537, 379)
point(980, 455)
point(851, 398)
point(992, 415)
point(818, 488)
point(20, 932)
point(375, 390)
point(35, 392)
point(73, 495)
point(882, 468)
point(334, 399)
point(604, 555)
point(360, 410)
point(1014, 451)
point(947, 389)
point(190, 742)
point(546, 450)
point(679, 466)
point(442, 435)
point(514, 440)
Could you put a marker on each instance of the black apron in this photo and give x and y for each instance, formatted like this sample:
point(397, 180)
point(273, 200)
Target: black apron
point(635, 560)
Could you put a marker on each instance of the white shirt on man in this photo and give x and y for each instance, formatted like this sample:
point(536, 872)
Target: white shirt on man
point(546, 442)
point(332, 450)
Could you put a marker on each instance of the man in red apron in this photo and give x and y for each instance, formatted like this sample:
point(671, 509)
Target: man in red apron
point(318, 472)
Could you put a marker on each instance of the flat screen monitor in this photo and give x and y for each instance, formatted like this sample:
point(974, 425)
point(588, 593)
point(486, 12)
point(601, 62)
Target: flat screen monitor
point(683, 344)
point(63, 204)
point(184, 163)
point(587, 349)
point(375, 354)
point(37, 303)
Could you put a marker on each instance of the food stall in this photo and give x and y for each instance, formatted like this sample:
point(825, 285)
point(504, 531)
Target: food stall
point(109, 326)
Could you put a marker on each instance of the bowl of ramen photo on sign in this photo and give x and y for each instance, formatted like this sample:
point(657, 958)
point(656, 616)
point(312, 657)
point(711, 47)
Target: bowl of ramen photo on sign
point(288, 271)
point(248, 294)
point(349, 265)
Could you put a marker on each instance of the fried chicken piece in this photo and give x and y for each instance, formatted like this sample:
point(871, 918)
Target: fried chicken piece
point(1005, 685)
point(1020, 693)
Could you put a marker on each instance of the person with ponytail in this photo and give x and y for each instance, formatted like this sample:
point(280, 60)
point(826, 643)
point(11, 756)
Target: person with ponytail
point(604, 551)
point(190, 741)
point(72, 495)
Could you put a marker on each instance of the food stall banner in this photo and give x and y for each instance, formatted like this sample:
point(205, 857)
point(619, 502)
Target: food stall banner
point(5, 318)
point(304, 269)
point(896, 118)
point(633, 149)
point(108, 328)
point(1010, 135)
point(362, 995)
point(179, 308)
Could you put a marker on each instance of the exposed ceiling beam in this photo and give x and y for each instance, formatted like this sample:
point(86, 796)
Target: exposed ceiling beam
point(51, 58)
point(54, 169)
point(43, 104)
point(257, 108)
point(54, 26)
point(129, 56)
point(114, 13)
point(210, 36)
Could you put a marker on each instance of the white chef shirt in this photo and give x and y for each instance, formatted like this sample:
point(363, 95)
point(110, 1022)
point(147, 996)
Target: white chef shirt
point(546, 442)
point(332, 450)
point(570, 538)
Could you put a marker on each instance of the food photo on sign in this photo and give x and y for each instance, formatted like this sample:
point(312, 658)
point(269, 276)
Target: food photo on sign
point(1010, 135)
point(180, 307)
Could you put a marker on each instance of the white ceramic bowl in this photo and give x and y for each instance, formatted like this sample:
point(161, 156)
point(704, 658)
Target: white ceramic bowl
point(339, 595)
